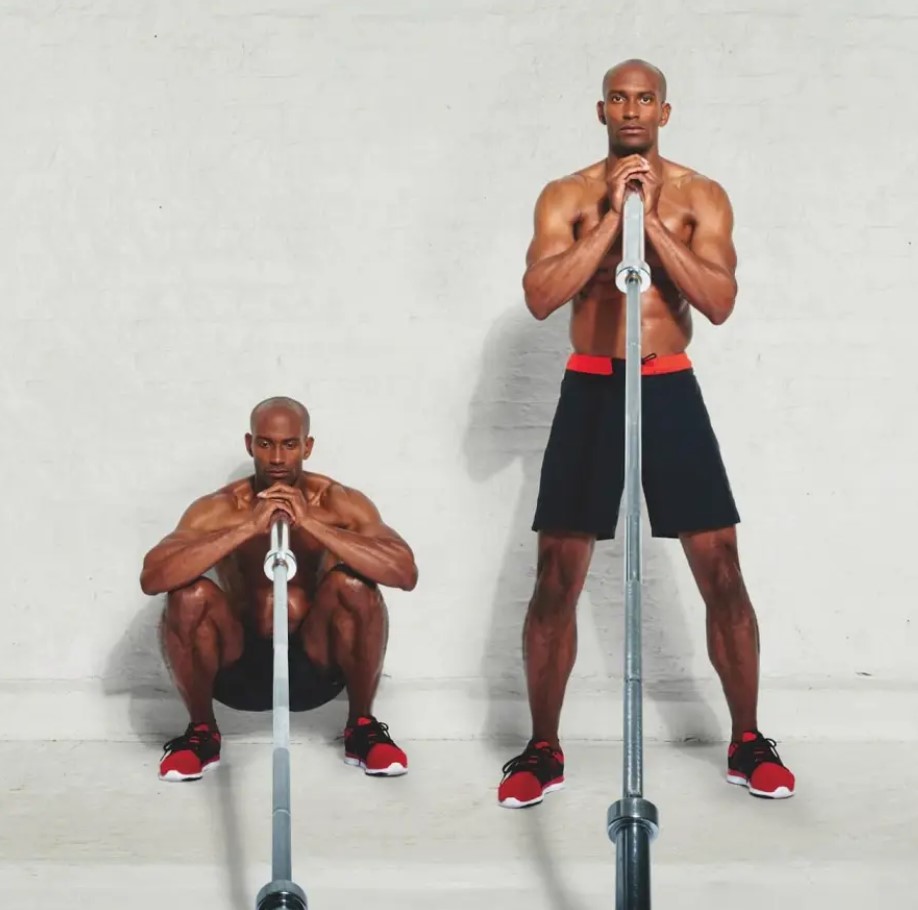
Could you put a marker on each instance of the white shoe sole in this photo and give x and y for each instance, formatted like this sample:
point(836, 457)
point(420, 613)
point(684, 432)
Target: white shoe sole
point(396, 769)
point(780, 793)
point(177, 777)
point(513, 803)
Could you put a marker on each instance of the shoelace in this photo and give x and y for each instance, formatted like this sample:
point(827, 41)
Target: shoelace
point(375, 732)
point(764, 750)
point(530, 758)
point(189, 739)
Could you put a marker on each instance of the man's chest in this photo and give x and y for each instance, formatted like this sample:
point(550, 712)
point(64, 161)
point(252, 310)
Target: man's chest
point(673, 208)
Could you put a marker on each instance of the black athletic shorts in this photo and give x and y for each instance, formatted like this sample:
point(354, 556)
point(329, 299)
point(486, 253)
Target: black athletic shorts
point(583, 469)
point(248, 684)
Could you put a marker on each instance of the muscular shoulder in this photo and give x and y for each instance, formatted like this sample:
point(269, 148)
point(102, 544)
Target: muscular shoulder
point(211, 510)
point(349, 505)
point(568, 195)
point(704, 194)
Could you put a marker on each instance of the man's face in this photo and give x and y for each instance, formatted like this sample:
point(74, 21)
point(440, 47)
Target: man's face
point(633, 111)
point(278, 445)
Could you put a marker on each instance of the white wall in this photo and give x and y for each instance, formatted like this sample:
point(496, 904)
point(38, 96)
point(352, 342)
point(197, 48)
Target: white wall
point(333, 201)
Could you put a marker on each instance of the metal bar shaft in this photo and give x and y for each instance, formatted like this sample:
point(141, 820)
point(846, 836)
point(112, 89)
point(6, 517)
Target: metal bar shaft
point(632, 874)
point(633, 771)
point(281, 893)
point(632, 821)
point(280, 820)
point(633, 265)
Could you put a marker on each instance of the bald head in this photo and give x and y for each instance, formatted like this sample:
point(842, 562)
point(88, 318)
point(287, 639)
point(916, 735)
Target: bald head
point(634, 66)
point(280, 403)
point(278, 441)
point(633, 107)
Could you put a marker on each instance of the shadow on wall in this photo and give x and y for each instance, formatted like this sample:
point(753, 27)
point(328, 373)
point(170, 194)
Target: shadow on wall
point(136, 669)
point(509, 421)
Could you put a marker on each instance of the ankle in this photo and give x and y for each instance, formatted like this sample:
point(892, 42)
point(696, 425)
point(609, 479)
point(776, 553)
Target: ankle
point(354, 717)
point(552, 740)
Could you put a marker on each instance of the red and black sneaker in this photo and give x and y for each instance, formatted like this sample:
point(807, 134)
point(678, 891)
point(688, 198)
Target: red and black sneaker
point(537, 770)
point(188, 756)
point(367, 745)
point(753, 762)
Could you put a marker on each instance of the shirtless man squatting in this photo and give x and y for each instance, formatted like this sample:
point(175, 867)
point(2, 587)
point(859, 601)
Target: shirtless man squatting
point(217, 639)
point(573, 254)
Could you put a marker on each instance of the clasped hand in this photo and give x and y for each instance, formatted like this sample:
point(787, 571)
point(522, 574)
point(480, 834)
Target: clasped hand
point(634, 172)
point(281, 500)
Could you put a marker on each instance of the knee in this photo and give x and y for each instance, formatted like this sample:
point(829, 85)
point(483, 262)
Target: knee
point(721, 580)
point(557, 589)
point(187, 607)
point(352, 591)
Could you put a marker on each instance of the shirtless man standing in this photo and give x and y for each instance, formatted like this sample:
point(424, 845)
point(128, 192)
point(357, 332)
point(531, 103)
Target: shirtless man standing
point(217, 638)
point(573, 254)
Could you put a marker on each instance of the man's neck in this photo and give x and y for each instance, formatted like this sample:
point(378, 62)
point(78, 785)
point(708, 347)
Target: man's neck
point(260, 485)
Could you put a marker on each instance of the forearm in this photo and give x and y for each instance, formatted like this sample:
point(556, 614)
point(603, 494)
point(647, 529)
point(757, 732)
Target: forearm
point(708, 288)
point(385, 561)
point(549, 283)
point(178, 564)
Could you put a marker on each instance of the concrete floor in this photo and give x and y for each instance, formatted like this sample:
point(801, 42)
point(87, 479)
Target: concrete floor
point(88, 823)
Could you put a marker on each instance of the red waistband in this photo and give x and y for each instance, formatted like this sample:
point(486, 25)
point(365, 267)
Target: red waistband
point(602, 366)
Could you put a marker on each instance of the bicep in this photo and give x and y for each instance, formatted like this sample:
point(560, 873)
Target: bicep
point(203, 516)
point(553, 225)
point(712, 238)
